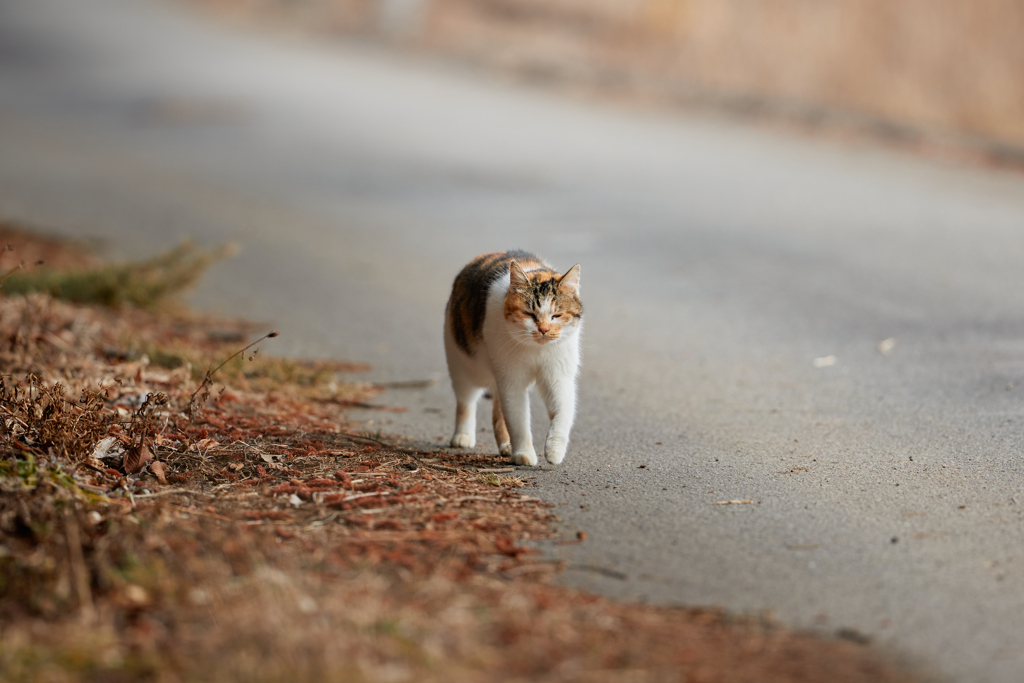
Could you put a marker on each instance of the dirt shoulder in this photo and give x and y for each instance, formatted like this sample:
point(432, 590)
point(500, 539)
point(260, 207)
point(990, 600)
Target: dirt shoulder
point(160, 523)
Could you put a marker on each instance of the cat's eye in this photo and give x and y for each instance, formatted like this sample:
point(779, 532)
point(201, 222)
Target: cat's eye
point(534, 316)
point(557, 315)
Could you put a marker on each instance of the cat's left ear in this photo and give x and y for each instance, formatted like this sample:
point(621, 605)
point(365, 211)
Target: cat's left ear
point(570, 282)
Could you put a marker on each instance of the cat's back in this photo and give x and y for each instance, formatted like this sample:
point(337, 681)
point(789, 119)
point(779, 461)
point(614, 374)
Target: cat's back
point(467, 306)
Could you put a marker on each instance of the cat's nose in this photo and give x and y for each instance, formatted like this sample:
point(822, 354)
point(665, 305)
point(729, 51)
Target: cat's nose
point(542, 329)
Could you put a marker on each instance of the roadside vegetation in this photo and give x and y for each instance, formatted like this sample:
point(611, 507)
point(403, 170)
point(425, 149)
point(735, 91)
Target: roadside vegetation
point(175, 504)
point(144, 284)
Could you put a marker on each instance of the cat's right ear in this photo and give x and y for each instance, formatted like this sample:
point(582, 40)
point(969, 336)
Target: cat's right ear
point(517, 280)
point(570, 282)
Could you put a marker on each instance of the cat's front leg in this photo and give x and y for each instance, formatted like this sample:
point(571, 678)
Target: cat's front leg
point(515, 406)
point(559, 396)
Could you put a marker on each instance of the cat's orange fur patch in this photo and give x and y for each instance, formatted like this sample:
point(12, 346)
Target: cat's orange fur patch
point(515, 306)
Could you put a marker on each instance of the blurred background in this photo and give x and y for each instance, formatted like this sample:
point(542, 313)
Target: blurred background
point(833, 330)
point(912, 70)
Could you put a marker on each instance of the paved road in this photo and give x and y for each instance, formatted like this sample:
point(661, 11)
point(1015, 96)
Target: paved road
point(718, 263)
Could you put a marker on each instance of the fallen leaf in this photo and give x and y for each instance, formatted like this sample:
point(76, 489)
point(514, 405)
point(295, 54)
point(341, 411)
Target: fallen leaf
point(135, 458)
point(159, 470)
point(204, 444)
point(106, 448)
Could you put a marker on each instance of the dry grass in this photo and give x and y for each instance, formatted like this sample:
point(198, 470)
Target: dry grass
point(932, 63)
point(262, 538)
point(66, 270)
point(938, 74)
point(145, 284)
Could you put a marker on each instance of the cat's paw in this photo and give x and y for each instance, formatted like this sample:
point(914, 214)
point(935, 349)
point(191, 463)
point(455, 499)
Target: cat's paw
point(525, 458)
point(463, 441)
point(505, 449)
point(554, 450)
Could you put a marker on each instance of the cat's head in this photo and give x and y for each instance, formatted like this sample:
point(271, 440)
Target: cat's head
point(543, 306)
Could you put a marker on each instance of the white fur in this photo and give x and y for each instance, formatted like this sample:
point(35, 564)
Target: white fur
point(509, 361)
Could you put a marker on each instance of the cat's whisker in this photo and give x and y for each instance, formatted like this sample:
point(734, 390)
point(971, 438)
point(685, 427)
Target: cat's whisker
point(512, 341)
point(516, 339)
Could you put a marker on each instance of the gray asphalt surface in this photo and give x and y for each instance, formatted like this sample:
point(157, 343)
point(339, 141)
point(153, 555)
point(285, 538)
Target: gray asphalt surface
point(718, 263)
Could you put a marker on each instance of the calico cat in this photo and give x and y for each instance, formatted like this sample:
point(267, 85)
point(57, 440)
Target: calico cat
point(511, 322)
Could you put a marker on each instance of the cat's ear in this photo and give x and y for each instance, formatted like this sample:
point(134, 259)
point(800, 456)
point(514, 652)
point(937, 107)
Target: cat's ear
point(518, 282)
point(570, 282)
